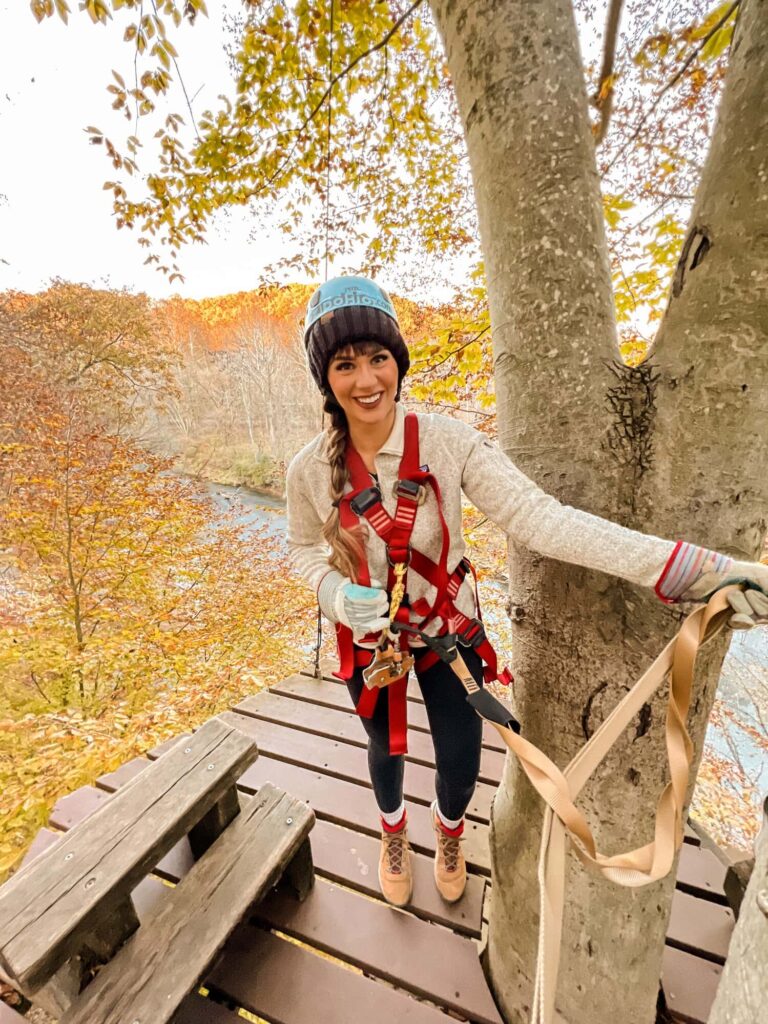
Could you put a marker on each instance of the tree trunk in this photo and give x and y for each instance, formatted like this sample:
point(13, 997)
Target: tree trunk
point(743, 991)
point(588, 431)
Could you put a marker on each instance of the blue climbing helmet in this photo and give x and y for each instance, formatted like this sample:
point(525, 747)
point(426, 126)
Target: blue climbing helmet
point(346, 310)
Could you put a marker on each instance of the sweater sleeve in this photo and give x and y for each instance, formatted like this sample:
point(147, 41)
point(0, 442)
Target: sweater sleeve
point(307, 550)
point(540, 522)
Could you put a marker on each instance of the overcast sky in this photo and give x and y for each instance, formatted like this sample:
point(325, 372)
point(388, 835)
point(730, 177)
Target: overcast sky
point(55, 219)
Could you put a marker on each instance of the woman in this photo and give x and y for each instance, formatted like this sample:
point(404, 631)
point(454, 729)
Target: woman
point(404, 475)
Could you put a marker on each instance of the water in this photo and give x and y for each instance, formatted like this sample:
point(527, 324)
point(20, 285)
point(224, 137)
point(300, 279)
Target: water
point(255, 509)
point(743, 689)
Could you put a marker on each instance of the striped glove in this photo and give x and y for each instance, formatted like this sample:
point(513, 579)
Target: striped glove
point(694, 574)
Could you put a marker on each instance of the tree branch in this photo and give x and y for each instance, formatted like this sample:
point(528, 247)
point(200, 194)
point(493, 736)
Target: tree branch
point(332, 82)
point(603, 98)
point(673, 81)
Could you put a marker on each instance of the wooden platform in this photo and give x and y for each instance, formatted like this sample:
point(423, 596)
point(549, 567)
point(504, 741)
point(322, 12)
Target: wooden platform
point(367, 958)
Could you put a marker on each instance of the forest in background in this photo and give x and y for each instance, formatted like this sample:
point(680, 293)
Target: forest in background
point(131, 607)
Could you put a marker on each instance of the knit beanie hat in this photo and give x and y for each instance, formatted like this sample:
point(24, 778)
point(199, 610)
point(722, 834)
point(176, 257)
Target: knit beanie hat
point(346, 310)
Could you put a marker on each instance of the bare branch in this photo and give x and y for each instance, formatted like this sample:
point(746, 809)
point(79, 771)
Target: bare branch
point(674, 80)
point(603, 98)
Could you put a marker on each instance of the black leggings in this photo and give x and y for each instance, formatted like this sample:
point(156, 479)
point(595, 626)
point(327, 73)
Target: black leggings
point(457, 732)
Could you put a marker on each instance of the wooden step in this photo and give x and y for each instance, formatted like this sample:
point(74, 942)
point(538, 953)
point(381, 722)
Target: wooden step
point(350, 858)
point(431, 962)
point(52, 908)
point(279, 981)
point(170, 951)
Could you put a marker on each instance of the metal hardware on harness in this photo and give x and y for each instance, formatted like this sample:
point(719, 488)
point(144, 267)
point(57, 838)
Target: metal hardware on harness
point(443, 646)
point(400, 561)
point(410, 489)
point(473, 639)
point(365, 500)
point(389, 664)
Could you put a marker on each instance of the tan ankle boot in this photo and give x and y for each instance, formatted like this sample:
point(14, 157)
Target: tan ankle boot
point(450, 866)
point(395, 876)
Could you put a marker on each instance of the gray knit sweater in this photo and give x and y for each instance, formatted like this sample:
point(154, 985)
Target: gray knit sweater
point(463, 459)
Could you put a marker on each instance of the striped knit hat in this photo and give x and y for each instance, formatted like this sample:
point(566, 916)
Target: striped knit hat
point(346, 310)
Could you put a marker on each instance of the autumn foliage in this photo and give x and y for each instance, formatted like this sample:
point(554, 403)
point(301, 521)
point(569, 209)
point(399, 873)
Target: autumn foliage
point(131, 609)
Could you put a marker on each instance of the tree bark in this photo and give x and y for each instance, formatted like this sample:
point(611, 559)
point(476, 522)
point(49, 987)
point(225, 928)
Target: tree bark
point(613, 441)
point(743, 991)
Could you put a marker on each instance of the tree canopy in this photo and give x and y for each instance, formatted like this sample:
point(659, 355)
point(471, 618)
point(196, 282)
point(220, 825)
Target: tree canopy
point(340, 126)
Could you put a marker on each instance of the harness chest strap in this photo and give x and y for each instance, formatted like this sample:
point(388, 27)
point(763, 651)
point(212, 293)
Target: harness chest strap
point(365, 500)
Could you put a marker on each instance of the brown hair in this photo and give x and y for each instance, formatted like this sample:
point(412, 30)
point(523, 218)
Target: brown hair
point(347, 546)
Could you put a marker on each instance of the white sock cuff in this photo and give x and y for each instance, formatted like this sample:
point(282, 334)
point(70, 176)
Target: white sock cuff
point(393, 817)
point(448, 822)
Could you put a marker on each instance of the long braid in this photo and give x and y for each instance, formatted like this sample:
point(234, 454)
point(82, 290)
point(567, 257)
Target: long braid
point(347, 546)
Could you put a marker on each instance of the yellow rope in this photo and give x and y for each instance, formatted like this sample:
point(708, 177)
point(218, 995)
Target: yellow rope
point(398, 590)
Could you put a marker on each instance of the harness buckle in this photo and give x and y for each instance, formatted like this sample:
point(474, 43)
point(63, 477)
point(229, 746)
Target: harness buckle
point(410, 490)
point(473, 635)
point(405, 560)
point(364, 500)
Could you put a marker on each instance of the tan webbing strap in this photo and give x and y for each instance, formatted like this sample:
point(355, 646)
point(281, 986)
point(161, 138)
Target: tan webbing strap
point(559, 789)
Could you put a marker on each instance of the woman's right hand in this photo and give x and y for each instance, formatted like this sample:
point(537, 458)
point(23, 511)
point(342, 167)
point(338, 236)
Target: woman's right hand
point(362, 609)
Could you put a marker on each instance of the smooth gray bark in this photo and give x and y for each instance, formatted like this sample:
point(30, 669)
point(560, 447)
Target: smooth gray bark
point(657, 456)
point(742, 995)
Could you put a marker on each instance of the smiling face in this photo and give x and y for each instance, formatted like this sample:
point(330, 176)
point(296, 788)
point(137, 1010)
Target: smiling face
point(363, 379)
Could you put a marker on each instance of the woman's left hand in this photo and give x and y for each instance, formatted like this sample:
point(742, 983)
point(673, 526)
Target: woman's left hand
point(750, 608)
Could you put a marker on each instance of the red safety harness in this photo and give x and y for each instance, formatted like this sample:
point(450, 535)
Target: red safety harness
point(365, 500)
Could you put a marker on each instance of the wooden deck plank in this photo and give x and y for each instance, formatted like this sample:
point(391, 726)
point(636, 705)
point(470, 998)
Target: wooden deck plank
point(345, 761)
point(336, 724)
point(434, 964)
point(700, 873)
point(350, 858)
point(689, 984)
point(700, 927)
point(331, 695)
point(285, 984)
point(196, 1009)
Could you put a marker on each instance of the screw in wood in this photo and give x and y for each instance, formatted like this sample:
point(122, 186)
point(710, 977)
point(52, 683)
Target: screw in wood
point(69, 856)
point(762, 902)
point(186, 751)
point(289, 821)
point(211, 767)
point(90, 882)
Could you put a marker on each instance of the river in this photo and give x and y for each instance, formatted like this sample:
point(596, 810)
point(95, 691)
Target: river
point(743, 686)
